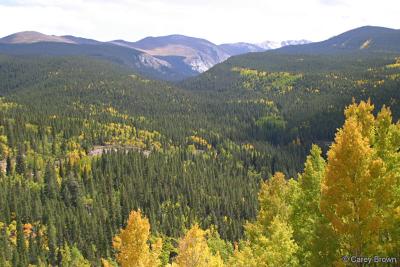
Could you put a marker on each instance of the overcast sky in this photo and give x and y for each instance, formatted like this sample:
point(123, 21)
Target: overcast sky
point(216, 20)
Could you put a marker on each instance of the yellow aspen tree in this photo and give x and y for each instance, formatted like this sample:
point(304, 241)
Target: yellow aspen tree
point(270, 241)
point(362, 113)
point(387, 146)
point(280, 247)
point(245, 257)
point(355, 176)
point(273, 200)
point(275, 249)
point(105, 263)
point(108, 263)
point(193, 251)
point(132, 245)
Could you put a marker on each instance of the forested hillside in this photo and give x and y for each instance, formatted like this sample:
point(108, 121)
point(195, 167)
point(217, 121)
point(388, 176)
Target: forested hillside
point(100, 166)
point(309, 91)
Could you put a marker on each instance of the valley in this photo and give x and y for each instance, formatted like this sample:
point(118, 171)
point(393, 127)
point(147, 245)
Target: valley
point(245, 159)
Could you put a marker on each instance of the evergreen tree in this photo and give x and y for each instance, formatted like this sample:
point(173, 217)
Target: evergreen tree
point(9, 168)
point(52, 243)
point(50, 182)
point(21, 245)
point(20, 165)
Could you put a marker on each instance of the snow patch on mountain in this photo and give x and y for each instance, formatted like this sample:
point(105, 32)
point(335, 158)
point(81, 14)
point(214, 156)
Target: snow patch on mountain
point(268, 45)
point(294, 42)
point(152, 62)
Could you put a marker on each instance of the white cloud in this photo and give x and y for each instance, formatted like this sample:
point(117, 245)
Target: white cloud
point(216, 20)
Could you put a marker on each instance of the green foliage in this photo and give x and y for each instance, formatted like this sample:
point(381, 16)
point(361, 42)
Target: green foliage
point(219, 246)
point(270, 238)
point(82, 144)
point(72, 257)
point(275, 82)
point(272, 128)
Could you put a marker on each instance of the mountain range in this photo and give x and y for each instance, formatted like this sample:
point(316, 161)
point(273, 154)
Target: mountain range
point(172, 57)
point(177, 57)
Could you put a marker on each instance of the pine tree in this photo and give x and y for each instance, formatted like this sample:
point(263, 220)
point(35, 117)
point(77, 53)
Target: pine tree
point(50, 182)
point(52, 243)
point(21, 246)
point(9, 166)
point(20, 165)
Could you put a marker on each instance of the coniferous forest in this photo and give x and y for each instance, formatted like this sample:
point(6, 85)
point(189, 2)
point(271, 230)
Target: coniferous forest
point(272, 160)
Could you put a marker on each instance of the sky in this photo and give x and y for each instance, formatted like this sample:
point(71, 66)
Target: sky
point(220, 21)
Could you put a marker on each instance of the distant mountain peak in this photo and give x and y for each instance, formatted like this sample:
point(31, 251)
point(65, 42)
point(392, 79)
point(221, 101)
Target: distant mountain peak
point(267, 45)
point(366, 39)
point(195, 53)
point(234, 49)
point(32, 37)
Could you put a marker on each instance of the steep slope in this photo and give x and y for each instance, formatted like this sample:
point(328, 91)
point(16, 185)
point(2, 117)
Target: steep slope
point(198, 54)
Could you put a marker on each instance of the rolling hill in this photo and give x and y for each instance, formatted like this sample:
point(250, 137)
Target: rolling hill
point(29, 37)
point(363, 39)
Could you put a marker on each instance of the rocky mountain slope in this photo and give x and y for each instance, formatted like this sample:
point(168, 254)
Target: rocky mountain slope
point(172, 57)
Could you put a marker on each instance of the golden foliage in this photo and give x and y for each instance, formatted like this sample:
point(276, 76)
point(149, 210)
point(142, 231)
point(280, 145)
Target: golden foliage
point(273, 248)
point(356, 179)
point(132, 243)
point(194, 251)
point(4, 149)
point(200, 142)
